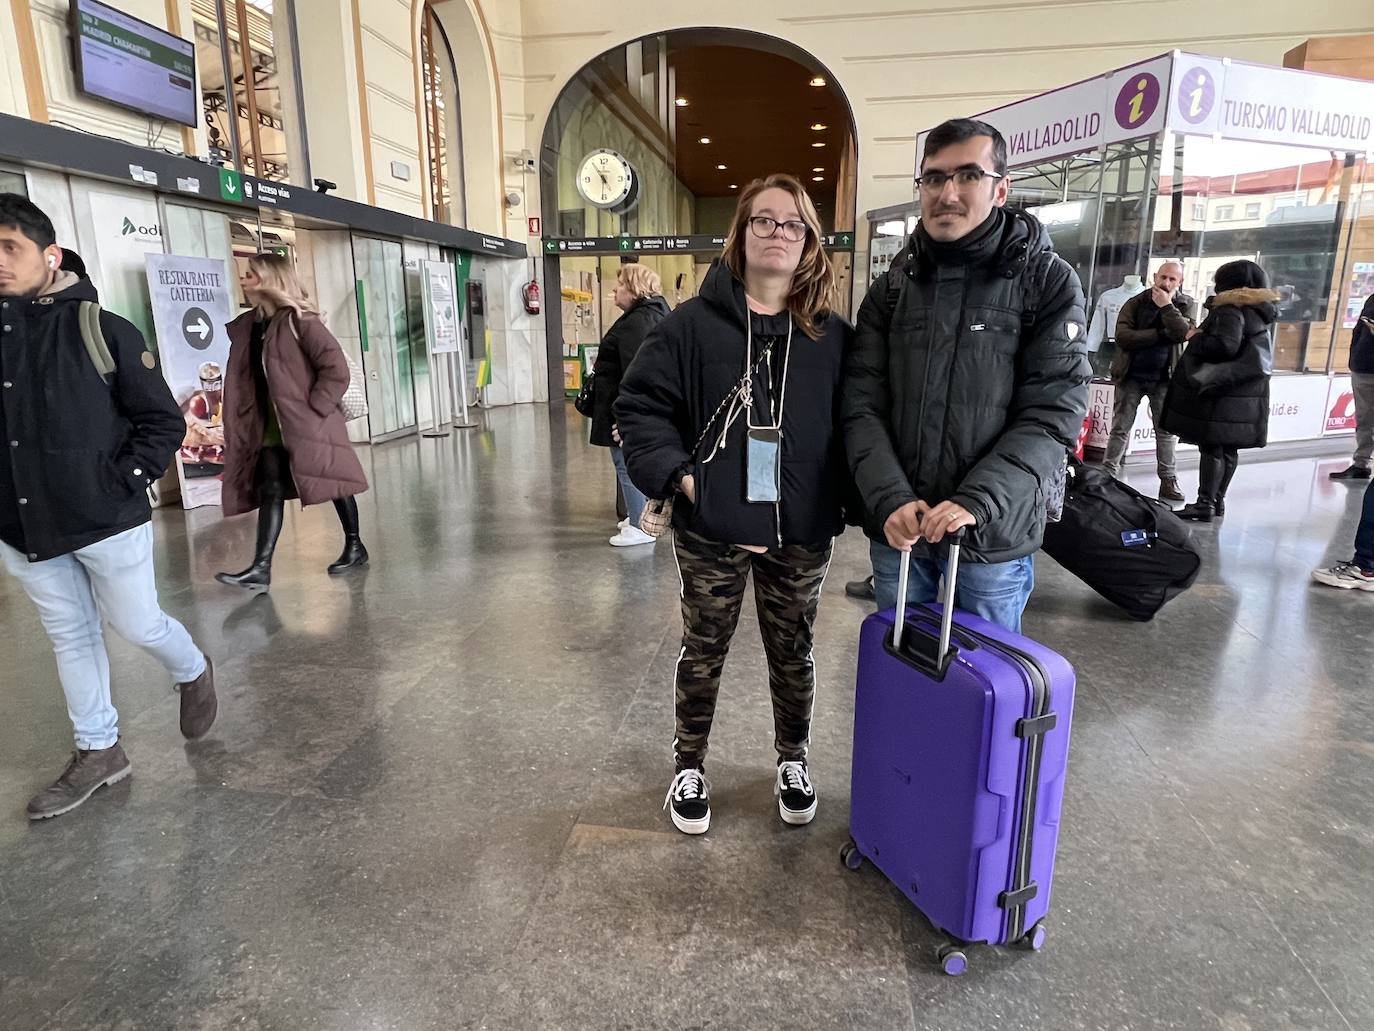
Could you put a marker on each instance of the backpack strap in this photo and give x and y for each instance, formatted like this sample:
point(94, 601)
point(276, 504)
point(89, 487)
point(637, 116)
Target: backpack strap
point(1033, 291)
point(94, 339)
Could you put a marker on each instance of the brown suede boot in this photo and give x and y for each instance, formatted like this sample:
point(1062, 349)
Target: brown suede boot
point(84, 773)
point(199, 705)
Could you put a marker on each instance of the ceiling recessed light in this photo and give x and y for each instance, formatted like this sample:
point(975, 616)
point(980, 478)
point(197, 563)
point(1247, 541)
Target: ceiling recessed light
point(818, 126)
point(704, 139)
point(818, 178)
point(819, 143)
point(819, 168)
point(681, 101)
point(734, 186)
point(720, 168)
point(818, 80)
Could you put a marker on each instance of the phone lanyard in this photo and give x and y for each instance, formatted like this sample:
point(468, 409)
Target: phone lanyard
point(780, 394)
point(742, 398)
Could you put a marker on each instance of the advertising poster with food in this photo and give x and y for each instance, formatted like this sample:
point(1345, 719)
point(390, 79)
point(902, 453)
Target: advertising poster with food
point(192, 302)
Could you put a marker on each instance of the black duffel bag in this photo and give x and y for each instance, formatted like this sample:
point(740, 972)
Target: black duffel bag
point(1130, 549)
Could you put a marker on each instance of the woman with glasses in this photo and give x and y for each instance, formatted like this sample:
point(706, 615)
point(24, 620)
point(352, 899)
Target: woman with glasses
point(731, 408)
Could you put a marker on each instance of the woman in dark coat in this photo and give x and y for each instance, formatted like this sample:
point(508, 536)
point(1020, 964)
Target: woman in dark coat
point(639, 294)
point(732, 409)
point(1219, 396)
point(284, 436)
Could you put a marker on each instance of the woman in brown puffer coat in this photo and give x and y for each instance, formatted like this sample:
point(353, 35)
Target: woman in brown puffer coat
point(284, 436)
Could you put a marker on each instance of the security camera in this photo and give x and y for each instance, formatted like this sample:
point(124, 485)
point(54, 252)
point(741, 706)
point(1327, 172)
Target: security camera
point(523, 162)
point(324, 186)
point(512, 199)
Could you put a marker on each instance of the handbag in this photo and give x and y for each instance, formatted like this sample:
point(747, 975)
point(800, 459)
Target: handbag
point(657, 518)
point(585, 401)
point(353, 404)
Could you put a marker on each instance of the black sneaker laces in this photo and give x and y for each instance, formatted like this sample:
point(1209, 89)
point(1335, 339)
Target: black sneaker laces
point(689, 785)
point(793, 777)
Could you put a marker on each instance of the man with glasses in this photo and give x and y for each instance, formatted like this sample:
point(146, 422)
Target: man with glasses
point(966, 385)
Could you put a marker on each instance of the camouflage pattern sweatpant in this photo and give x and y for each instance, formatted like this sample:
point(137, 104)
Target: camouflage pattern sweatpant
point(787, 590)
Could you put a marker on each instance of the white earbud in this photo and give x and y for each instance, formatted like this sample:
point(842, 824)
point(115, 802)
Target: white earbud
point(52, 263)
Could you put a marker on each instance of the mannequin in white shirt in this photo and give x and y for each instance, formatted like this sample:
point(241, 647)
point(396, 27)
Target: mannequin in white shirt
point(1103, 325)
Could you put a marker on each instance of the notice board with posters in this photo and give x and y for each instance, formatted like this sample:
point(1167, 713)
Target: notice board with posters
point(192, 304)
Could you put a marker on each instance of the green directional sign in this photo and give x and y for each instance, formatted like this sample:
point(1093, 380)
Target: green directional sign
point(625, 243)
point(230, 184)
point(550, 246)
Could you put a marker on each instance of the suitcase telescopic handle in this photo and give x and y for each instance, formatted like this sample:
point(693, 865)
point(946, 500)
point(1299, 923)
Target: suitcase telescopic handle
point(947, 616)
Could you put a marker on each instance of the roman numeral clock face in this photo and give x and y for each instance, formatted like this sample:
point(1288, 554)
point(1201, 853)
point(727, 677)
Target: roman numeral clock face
point(605, 178)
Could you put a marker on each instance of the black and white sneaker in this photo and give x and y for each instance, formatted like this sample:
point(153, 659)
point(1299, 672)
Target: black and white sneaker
point(796, 796)
point(690, 799)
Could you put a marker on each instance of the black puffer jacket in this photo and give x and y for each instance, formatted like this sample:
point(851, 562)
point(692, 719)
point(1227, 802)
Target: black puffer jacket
point(972, 387)
point(81, 451)
point(618, 348)
point(689, 364)
point(1362, 341)
point(1219, 395)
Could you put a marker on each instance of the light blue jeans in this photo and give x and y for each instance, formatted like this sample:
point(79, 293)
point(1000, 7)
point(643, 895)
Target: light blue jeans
point(997, 592)
point(634, 500)
point(113, 579)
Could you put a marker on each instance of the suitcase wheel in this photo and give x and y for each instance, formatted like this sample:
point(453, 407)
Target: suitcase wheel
point(952, 960)
point(1035, 938)
point(850, 855)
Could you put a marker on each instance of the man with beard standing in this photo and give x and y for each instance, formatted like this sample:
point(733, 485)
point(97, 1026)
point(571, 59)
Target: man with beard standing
point(966, 385)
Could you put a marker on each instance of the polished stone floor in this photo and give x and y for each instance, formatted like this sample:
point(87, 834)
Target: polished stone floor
point(432, 799)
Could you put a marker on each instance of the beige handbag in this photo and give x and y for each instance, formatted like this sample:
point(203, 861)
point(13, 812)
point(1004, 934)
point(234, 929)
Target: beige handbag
point(657, 518)
point(353, 404)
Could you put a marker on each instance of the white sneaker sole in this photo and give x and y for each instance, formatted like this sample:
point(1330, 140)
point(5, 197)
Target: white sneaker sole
point(797, 819)
point(113, 778)
point(616, 542)
point(1341, 583)
point(690, 826)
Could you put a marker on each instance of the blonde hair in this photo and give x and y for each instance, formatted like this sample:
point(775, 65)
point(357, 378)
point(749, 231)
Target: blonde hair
point(640, 280)
point(278, 282)
point(812, 297)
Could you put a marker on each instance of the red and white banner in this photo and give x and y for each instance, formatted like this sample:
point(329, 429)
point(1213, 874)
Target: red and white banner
point(1340, 407)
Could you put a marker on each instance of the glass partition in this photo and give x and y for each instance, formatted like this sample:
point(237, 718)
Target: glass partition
point(1287, 208)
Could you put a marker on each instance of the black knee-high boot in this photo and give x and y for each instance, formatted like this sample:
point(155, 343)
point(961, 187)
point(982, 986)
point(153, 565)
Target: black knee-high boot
point(354, 554)
point(1210, 475)
point(258, 576)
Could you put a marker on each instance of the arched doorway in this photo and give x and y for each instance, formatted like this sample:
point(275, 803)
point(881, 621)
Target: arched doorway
point(647, 147)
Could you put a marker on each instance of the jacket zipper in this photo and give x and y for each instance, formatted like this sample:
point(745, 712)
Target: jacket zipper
point(273, 402)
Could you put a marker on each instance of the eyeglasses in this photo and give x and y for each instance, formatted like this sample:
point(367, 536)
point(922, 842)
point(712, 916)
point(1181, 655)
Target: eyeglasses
point(765, 228)
point(964, 178)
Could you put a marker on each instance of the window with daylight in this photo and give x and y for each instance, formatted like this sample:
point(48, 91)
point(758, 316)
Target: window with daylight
point(443, 129)
point(243, 106)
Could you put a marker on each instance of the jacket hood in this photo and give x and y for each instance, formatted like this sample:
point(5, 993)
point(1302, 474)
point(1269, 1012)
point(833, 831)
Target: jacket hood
point(68, 287)
point(1020, 239)
point(657, 302)
point(722, 291)
point(1250, 297)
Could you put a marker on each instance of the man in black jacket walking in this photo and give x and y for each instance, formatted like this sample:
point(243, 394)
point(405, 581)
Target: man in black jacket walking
point(80, 449)
point(966, 384)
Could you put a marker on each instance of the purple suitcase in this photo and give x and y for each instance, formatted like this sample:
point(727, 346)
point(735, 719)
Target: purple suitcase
point(961, 742)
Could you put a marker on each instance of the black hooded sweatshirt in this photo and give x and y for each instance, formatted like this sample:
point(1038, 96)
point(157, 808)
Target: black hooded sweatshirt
point(689, 365)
